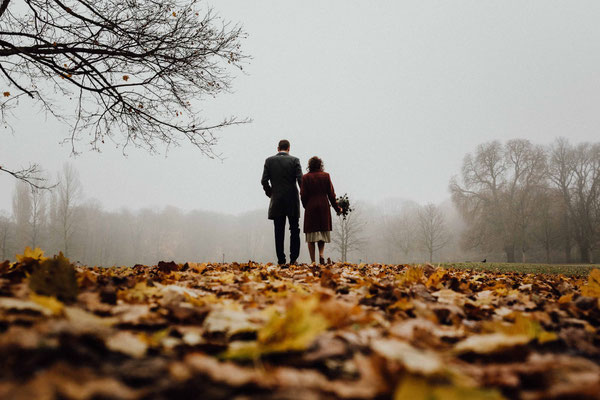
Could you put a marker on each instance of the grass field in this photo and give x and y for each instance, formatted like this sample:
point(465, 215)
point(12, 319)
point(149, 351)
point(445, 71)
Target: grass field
point(567, 269)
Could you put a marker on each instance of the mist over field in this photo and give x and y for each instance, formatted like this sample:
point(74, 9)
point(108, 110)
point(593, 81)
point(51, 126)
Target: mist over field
point(514, 201)
point(392, 96)
point(145, 236)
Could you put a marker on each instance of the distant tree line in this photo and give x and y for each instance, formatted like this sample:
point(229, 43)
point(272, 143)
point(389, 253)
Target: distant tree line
point(514, 201)
point(531, 202)
point(62, 219)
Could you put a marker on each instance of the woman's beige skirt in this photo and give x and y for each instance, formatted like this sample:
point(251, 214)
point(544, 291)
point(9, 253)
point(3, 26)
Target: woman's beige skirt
point(318, 237)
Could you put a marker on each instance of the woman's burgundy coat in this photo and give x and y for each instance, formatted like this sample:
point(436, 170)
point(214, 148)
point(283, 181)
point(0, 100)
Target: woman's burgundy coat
point(316, 193)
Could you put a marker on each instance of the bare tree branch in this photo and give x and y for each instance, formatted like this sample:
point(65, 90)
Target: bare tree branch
point(30, 175)
point(129, 71)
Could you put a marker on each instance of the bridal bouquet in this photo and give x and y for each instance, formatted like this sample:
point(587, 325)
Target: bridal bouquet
point(344, 204)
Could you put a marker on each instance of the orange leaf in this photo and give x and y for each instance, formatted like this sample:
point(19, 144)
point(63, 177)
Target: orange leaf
point(592, 289)
point(566, 298)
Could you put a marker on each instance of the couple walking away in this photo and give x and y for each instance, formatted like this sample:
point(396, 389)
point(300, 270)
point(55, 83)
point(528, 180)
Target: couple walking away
point(281, 174)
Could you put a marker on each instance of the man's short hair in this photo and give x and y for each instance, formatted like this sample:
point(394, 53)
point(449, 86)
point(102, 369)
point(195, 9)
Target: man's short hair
point(284, 145)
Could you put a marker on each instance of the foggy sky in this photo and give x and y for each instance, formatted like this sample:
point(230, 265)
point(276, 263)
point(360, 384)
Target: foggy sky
point(391, 94)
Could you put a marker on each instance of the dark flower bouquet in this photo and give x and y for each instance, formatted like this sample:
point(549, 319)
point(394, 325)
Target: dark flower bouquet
point(344, 204)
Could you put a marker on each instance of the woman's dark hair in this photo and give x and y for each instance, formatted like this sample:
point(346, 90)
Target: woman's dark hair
point(315, 164)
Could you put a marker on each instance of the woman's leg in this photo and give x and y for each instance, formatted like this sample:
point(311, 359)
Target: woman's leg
point(321, 249)
point(311, 251)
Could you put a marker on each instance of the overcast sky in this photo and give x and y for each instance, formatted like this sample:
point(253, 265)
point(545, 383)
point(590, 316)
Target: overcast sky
point(391, 94)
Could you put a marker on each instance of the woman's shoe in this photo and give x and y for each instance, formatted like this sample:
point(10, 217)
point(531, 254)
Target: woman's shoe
point(321, 260)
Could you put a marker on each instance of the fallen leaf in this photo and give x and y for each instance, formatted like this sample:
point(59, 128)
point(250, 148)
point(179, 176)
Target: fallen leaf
point(127, 343)
point(417, 388)
point(293, 330)
point(490, 343)
point(592, 288)
point(55, 306)
point(413, 359)
point(229, 322)
point(36, 254)
point(55, 277)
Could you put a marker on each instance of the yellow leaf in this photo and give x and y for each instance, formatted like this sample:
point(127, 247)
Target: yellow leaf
point(201, 301)
point(566, 298)
point(417, 388)
point(294, 330)
point(522, 326)
point(435, 280)
point(31, 255)
point(139, 293)
point(49, 302)
point(226, 278)
point(592, 289)
point(413, 274)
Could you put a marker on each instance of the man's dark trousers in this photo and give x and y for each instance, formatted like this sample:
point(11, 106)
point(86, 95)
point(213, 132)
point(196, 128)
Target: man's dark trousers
point(294, 238)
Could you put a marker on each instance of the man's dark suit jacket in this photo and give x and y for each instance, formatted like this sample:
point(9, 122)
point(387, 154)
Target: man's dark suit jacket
point(283, 171)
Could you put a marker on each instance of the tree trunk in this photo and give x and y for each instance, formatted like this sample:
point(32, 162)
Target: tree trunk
point(510, 253)
point(547, 253)
point(567, 241)
point(567, 252)
point(584, 253)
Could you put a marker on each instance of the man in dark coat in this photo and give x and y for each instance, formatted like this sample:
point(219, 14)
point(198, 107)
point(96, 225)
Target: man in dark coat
point(281, 174)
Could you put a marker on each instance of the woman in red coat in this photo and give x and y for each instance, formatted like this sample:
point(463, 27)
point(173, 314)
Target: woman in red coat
point(316, 193)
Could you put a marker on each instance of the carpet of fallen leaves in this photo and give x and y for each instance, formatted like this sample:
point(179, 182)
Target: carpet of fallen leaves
point(256, 331)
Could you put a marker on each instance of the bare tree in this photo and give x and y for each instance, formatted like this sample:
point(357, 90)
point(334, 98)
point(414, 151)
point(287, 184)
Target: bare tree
point(575, 171)
point(5, 228)
point(38, 214)
point(432, 228)
point(69, 192)
point(585, 195)
point(126, 71)
point(547, 220)
point(22, 215)
point(347, 235)
point(400, 230)
point(526, 177)
point(479, 197)
point(497, 194)
point(561, 173)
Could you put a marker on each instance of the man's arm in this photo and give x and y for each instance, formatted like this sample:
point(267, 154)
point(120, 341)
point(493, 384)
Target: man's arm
point(298, 173)
point(266, 176)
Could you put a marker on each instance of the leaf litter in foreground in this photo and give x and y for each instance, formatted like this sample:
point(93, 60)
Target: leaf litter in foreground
point(337, 331)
